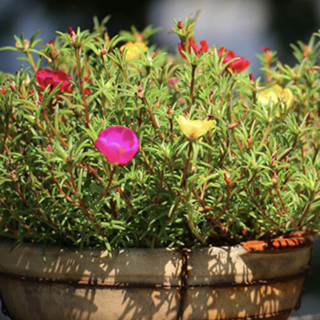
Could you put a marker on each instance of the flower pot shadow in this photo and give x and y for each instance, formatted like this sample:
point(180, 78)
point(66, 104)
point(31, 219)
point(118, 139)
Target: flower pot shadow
point(229, 282)
point(89, 284)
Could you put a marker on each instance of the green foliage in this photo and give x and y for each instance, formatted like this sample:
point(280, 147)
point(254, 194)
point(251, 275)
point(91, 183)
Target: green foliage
point(254, 176)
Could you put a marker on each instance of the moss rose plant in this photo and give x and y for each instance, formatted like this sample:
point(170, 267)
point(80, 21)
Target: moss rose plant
point(108, 141)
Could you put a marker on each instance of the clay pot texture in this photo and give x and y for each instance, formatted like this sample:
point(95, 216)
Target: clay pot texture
point(152, 284)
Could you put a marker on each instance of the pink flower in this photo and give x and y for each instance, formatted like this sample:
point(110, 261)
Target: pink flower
point(203, 47)
point(237, 65)
point(118, 144)
point(51, 78)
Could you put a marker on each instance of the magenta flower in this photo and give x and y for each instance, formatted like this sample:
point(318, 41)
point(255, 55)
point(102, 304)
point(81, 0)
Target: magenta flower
point(118, 144)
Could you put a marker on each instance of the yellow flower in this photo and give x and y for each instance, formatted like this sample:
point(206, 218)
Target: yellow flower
point(133, 50)
point(274, 95)
point(193, 129)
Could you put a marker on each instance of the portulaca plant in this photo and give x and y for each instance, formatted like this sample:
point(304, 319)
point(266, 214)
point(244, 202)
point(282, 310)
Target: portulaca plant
point(114, 143)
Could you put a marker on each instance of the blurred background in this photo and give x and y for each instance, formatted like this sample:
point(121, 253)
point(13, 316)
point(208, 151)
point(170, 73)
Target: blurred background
point(244, 26)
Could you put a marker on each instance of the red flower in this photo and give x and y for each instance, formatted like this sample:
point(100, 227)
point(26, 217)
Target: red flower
point(2, 90)
point(52, 78)
point(237, 65)
point(203, 47)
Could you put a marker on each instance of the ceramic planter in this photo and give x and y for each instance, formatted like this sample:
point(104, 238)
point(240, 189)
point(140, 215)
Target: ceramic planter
point(145, 284)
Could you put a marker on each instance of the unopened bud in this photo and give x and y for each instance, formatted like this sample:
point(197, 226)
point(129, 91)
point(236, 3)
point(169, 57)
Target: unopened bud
point(232, 125)
point(274, 157)
point(12, 85)
point(26, 44)
point(103, 51)
point(72, 35)
point(249, 141)
point(267, 51)
point(211, 96)
point(227, 176)
point(180, 25)
point(306, 51)
point(186, 113)
point(274, 178)
point(251, 78)
point(13, 175)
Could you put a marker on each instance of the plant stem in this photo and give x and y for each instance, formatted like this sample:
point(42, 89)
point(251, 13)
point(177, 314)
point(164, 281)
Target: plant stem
point(85, 103)
point(154, 121)
point(193, 70)
point(106, 191)
point(193, 227)
point(186, 166)
point(31, 60)
point(82, 204)
point(306, 210)
point(25, 225)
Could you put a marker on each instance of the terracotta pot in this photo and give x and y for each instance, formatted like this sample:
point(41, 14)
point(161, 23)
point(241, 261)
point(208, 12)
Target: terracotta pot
point(206, 283)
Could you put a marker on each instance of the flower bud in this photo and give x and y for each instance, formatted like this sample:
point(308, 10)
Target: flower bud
point(227, 176)
point(103, 51)
point(26, 44)
point(249, 141)
point(274, 178)
point(232, 125)
point(267, 52)
point(72, 35)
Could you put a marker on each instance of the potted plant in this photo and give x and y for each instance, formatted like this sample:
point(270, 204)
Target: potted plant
point(137, 184)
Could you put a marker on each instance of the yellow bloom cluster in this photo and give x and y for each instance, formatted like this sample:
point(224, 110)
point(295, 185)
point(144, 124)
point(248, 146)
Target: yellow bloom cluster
point(133, 50)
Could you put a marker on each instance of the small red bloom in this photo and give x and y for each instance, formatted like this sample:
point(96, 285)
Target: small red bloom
point(203, 47)
point(180, 25)
point(237, 65)
point(2, 90)
point(52, 78)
